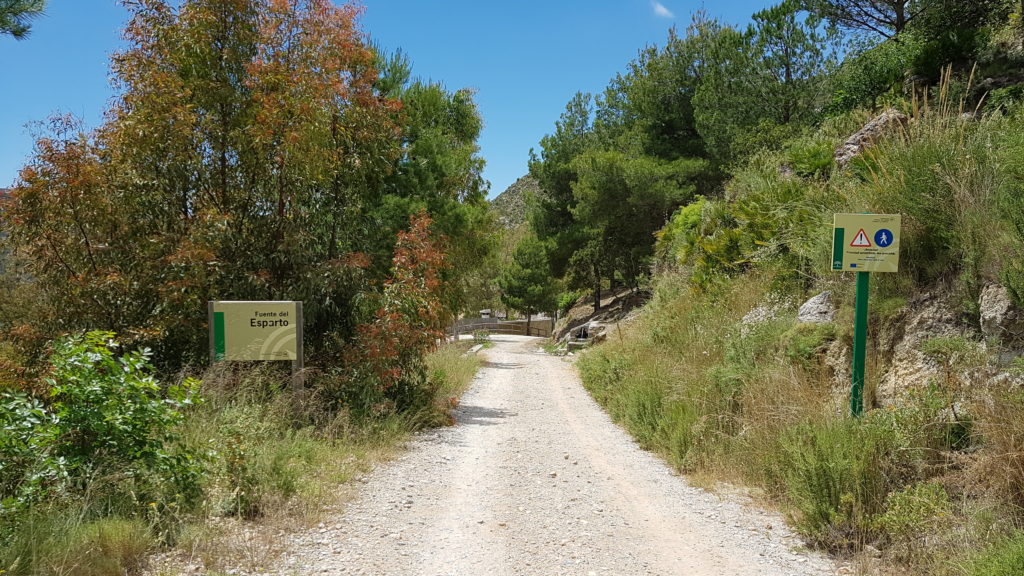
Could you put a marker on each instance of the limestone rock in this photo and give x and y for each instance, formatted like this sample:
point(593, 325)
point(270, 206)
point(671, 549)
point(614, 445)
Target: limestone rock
point(817, 310)
point(929, 316)
point(880, 126)
point(1000, 317)
point(584, 335)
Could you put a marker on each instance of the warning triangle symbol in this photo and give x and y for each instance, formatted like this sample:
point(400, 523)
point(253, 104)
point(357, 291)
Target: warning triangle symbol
point(861, 240)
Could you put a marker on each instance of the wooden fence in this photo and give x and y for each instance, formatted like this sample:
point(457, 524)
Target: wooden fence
point(539, 327)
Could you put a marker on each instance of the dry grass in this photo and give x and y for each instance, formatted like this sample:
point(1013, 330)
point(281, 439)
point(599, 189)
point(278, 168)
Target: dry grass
point(301, 475)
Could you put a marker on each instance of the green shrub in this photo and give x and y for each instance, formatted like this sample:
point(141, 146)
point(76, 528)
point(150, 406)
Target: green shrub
point(566, 300)
point(676, 239)
point(811, 157)
point(836, 478)
point(108, 426)
point(1004, 559)
point(873, 76)
point(804, 343)
point(912, 514)
point(1005, 99)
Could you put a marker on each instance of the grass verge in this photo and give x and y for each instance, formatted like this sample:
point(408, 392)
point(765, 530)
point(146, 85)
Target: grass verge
point(269, 467)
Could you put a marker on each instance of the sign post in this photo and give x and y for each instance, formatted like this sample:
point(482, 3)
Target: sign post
point(260, 331)
point(873, 246)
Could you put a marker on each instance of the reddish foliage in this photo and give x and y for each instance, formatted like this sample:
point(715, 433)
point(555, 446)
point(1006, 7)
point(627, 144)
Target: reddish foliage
point(232, 165)
point(410, 321)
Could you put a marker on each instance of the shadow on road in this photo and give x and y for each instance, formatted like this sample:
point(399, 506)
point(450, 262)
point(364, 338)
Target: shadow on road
point(479, 415)
point(502, 365)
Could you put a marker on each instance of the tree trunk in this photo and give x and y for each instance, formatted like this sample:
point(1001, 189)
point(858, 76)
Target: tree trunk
point(901, 18)
point(597, 289)
point(529, 317)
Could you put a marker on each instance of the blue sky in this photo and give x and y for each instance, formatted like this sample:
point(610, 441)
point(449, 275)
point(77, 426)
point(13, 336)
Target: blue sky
point(524, 59)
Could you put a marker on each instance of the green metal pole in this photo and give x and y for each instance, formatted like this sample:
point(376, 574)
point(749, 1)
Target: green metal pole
point(860, 343)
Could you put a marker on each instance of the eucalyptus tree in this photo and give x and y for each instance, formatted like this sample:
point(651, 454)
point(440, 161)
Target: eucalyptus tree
point(236, 163)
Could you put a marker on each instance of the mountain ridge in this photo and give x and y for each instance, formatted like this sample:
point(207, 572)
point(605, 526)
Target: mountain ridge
point(511, 204)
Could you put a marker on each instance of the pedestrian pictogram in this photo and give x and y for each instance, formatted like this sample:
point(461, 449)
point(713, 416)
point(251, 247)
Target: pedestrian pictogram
point(883, 238)
point(861, 240)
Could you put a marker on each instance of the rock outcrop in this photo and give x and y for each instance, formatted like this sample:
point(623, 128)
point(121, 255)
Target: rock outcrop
point(899, 344)
point(817, 310)
point(885, 124)
point(1001, 318)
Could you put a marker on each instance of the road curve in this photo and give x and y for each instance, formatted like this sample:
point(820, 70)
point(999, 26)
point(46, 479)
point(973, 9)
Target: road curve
point(535, 479)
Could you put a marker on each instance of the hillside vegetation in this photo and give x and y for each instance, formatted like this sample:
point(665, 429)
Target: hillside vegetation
point(721, 176)
point(511, 205)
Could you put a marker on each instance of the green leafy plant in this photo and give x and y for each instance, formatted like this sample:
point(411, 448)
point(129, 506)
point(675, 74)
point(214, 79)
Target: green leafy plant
point(804, 342)
point(913, 512)
point(811, 157)
point(107, 416)
point(566, 300)
point(1003, 559)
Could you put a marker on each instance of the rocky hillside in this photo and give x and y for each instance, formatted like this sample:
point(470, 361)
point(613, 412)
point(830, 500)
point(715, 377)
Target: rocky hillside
point(511, 204)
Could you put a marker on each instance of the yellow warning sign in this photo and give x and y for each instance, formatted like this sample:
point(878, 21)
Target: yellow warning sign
point(866, 243)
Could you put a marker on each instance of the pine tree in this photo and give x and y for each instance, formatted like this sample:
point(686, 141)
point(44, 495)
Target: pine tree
point(526, 284)
point(16, 14)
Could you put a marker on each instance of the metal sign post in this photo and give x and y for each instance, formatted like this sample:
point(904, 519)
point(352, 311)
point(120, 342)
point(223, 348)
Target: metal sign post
point(860, 342)
point(873, 246)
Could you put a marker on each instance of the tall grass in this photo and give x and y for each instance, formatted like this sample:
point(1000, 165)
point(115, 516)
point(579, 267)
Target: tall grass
point(957, 181)
point(271, 465)
point(939, 471)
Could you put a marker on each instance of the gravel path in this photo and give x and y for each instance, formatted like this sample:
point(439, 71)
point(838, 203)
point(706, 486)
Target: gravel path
point(536, 479)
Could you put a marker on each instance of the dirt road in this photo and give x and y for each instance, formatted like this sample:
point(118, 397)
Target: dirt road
point(536, 479)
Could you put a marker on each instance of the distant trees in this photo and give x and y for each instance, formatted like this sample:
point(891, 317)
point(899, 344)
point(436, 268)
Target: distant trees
point(15, 16)
point(526, 284)
point(761, 85)
point(551, 217)
point(618, 165)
